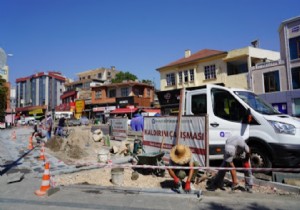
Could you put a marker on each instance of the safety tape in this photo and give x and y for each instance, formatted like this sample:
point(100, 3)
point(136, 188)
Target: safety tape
point(111, 165)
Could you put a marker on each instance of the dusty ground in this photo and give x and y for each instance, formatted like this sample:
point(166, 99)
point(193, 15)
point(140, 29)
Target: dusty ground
point(79, 148)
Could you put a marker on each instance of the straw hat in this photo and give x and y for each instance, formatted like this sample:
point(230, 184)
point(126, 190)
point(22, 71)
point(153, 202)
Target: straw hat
point(181, 154)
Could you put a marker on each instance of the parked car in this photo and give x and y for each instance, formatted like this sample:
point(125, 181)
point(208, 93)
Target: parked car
point(73, 122)
point(84, 120)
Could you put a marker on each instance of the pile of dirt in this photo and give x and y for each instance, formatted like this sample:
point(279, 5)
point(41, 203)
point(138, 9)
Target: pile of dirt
point(78, 145)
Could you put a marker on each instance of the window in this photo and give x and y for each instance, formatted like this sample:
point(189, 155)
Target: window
point(180, 77)
point(148, 92)
point(199, 104)
point(98, 94)
point(271, 81)
point(186, 76)
point(294, 48)
point(124, 92)
point(170, 79)
point(210, 72)
point(99, 75)
point(296, 77)
point(225, 106)
point(112, 93)
point(89, 77)
point(192, 77)
point(236, 68)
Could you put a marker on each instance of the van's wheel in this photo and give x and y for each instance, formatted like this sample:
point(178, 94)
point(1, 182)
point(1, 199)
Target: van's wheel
point(260, 158)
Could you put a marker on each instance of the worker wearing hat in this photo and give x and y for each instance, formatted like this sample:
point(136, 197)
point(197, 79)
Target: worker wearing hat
point(181, 155)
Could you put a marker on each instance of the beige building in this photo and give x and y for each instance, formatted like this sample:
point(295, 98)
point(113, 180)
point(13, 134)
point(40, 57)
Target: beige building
point(103, 74)
point(212, 66)
point(232, 69)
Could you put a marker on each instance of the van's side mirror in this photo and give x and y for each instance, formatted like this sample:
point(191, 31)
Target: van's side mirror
point(249, 116)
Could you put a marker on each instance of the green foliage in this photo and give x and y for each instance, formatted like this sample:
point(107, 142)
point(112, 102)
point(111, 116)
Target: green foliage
point(3, 99)
point(147, 81)
point(123, 76)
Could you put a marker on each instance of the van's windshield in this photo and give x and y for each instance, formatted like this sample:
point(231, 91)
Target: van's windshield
point(256, 103)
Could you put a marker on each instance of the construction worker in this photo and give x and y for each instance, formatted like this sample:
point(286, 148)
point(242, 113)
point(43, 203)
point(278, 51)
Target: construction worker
point(49, 123)
point(60, 127)
point(181, 155)
point(235, 147)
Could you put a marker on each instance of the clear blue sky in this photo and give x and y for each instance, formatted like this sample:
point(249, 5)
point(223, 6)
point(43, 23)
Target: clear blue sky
point(138, 36)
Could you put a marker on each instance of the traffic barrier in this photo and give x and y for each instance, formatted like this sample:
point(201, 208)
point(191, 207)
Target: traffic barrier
point(13, 135)
point(45, 181)
point(42, 153)
point(30, 144)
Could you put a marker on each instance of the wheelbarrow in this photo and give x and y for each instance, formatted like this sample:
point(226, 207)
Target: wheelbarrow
point(154, 159)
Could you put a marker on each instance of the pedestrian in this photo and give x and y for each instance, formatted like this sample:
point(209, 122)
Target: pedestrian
point(181, 156)
point(60, 126)
point(49, 123)
point(235, 148)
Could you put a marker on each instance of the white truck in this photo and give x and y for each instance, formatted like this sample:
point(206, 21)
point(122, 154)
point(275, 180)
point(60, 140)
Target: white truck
point(274, 138)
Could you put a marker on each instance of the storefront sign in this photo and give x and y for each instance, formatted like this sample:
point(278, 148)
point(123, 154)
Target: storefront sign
point(79, 106)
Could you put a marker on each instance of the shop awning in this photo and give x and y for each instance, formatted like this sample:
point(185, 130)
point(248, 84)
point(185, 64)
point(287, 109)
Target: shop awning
point(123, 111)
point(152, 110)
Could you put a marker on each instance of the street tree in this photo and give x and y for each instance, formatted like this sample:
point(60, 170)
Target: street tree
point(3, 98)
point(147, 81)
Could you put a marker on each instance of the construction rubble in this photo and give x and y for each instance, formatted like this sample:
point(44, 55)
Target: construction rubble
point(83, 147)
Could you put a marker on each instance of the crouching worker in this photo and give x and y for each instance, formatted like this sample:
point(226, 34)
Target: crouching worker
point(235, 147)
point(40, 134)
point(181, 155)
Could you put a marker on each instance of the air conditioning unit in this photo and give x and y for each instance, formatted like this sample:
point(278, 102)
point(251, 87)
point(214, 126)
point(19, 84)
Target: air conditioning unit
point(141, 96)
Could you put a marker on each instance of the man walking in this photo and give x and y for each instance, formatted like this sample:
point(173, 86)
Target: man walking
point(235, 147)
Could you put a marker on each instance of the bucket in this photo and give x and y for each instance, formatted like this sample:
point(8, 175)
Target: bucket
point(117, 176)
point(137, 145)
point(102, 156)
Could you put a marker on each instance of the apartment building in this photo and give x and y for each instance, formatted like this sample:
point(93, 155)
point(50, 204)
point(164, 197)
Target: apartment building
point(278, 82)
point(208, 66)
point(40, 91)
point(81, 88)
point(102, 74)
point(121, 98)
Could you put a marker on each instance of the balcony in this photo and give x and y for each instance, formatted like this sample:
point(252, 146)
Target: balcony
point(263, 65)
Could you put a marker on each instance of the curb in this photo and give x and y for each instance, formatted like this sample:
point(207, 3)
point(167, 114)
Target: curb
point(278, 185)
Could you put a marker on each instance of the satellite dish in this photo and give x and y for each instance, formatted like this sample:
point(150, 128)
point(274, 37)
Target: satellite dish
point(3, 58)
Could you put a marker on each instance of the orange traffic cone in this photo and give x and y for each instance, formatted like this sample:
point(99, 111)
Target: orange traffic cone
point(42, 154)
point(45, 181)
point(13, 136)
point(30, 144)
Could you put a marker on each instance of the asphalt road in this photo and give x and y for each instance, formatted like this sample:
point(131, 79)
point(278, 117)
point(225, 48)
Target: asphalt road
point(15, 158)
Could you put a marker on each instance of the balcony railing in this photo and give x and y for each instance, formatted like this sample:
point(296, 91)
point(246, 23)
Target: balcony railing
point(263, 65)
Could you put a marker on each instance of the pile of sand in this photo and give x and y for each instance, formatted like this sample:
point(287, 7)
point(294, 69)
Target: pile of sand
point(79, 145)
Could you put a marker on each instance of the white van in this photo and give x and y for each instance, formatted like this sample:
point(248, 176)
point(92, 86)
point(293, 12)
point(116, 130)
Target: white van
point(65, 114)
point(274, 138)
point(26, 120)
